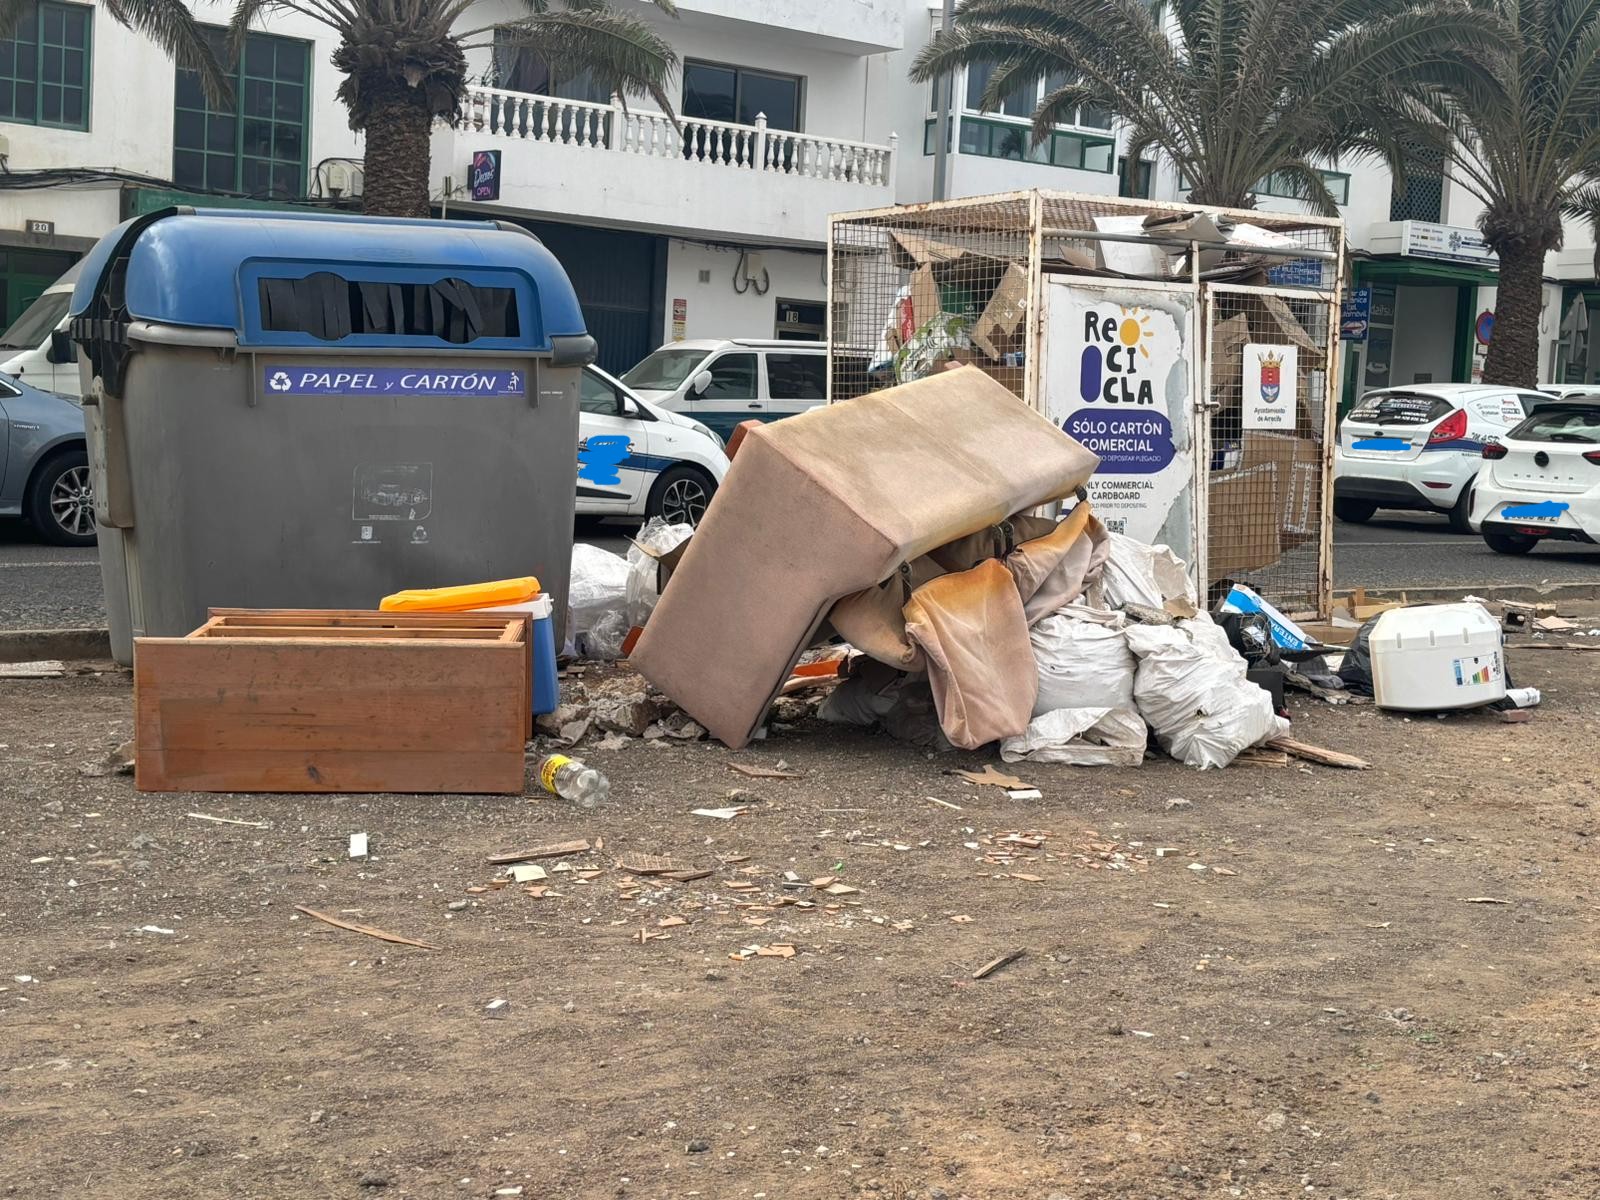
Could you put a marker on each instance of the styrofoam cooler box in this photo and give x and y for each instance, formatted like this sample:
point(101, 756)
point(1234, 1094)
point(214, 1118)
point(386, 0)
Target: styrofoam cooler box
point(541, 650)
point(1435, 657)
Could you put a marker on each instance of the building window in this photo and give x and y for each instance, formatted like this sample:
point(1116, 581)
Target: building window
point(257, 145)
point(1291, 187)
point(987, 137)
point(1134, 177)
point(44, 67)
point(516, 68)
point(1422, 199)
point(734, 94)
point(1024, 100)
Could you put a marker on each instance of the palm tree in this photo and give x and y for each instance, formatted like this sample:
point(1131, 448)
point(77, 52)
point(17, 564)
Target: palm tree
point(1523, 137)
point(404, 64)
point(1232, 91)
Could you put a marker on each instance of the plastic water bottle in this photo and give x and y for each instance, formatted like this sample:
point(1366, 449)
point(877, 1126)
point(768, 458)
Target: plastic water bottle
point(571, 780)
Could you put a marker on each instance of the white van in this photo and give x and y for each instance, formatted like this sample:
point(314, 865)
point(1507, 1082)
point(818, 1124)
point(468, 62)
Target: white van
point(721, 383)
point(36, 348)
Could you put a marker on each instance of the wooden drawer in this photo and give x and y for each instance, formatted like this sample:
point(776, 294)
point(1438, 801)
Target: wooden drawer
point(284, 700)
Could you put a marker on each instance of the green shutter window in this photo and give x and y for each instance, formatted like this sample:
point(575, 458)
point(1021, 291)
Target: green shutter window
point(44, 67)
point(256, 146)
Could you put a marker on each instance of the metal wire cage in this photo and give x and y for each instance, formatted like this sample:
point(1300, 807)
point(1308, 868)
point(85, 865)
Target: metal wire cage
point(917, 288)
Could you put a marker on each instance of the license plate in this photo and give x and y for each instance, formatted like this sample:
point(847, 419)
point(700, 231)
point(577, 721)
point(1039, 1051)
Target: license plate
point(1550, 511)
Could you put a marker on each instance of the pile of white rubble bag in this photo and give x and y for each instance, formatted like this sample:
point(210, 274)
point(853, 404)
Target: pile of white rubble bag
point(1133, 653)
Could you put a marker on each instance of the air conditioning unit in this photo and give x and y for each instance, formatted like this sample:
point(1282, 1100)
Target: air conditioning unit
point(341, 178)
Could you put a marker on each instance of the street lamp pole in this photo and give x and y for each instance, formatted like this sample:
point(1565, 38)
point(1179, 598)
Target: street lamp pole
point(943, 87)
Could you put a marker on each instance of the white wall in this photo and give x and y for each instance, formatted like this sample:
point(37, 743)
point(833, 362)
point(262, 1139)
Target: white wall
point(715, 310)
point(80, 212)
point(860, 26)
point(131, 124)
point(1425, 335)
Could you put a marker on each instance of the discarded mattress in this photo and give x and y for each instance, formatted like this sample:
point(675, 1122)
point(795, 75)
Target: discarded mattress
point(831, 502)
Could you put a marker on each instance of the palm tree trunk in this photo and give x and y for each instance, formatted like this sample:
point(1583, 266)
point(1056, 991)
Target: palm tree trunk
point(1514, 349)
point(397, 156)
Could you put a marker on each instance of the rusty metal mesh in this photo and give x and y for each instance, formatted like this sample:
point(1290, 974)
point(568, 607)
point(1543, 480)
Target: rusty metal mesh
point(1265, 485)
point(914, 287)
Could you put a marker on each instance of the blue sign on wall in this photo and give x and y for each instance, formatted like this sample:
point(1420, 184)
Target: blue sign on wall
point(298, 379)
point(1355, 315)
point(1128, 443)
point(1297, 272)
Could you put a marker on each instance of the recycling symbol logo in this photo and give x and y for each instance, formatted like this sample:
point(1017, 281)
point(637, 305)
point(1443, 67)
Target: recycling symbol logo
point(280, 381)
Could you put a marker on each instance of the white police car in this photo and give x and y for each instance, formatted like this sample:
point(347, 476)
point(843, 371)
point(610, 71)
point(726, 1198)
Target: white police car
point(1420, 447)
point(638, 460)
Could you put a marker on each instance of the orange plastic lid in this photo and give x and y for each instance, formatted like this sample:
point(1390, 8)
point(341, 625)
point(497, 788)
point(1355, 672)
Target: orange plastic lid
point(464, 597)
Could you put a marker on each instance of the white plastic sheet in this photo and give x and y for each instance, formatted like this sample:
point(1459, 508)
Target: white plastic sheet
point(1080, 737)
point(653, 540)
point(1083, 660)
point(1136, 573)
point(1191, 687)
point(596, 595)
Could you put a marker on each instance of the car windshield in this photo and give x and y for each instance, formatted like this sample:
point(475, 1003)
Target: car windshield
point(664, 370)
point(37, 320)
point(1401, 408)
point(1553, 423)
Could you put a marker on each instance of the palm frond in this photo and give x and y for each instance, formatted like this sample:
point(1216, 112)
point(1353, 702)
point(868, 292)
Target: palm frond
point(171, 26)
point(620, 52)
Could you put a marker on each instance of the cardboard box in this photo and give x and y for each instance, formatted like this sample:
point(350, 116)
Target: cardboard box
point(999, 327)
point(1299, 462)
point(1243, 538)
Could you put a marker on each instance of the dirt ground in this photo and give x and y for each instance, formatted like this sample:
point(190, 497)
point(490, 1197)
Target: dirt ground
point(1319, 1012)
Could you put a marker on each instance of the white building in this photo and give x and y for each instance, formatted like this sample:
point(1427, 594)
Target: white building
point(789, 110)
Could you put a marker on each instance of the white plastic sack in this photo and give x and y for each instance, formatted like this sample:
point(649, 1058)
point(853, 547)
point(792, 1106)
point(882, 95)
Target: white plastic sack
point(653, 540)
point(1083, 660)
point(1080, 737)
point(596, 596)
point(1191, 687)
point(1136, 573)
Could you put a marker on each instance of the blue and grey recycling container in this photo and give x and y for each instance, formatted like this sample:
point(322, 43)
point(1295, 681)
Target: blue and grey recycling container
point(313, 411)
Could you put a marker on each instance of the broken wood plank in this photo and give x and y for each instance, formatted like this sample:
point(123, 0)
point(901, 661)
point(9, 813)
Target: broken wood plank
point(685, 876)
point(762, 772)
point(354, 927)
point(994, 964)
point(226, 820)
point(1317, 754)
point(554, 850)
point(1257, 757)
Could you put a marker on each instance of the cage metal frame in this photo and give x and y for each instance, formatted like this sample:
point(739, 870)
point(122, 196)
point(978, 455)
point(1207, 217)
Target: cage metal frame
point(1019, 227)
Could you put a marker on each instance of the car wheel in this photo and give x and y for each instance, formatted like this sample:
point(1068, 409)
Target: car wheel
point(61, 500)
point(680, 496)
point(1461, 514)
point(1510, 543)
point(1354, 512)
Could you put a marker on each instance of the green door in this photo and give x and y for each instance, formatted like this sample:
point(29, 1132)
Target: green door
point(26, 273)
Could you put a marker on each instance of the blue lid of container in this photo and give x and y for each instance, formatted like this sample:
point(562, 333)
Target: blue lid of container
point(246, 270)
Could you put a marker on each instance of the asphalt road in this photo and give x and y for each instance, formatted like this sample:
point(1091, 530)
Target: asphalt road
point(45, 587)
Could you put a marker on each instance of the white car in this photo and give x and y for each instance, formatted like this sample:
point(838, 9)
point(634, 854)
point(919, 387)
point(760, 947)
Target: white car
point(1542, 480)
point(724, 383)
point(1420, 447)
point(638, 460)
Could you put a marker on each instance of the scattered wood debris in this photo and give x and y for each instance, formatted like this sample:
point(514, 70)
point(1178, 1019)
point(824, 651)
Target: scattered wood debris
point(1316, 754)
point(994, 964)
point(992, 778)
point(555, 850)
point(671, 922)
point(721, 814)
point(943, 803)
point(1484, 900)
point(369, 930)
point(781, 771)
point(637, 863)
point(775, 950)
point(225, 820)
